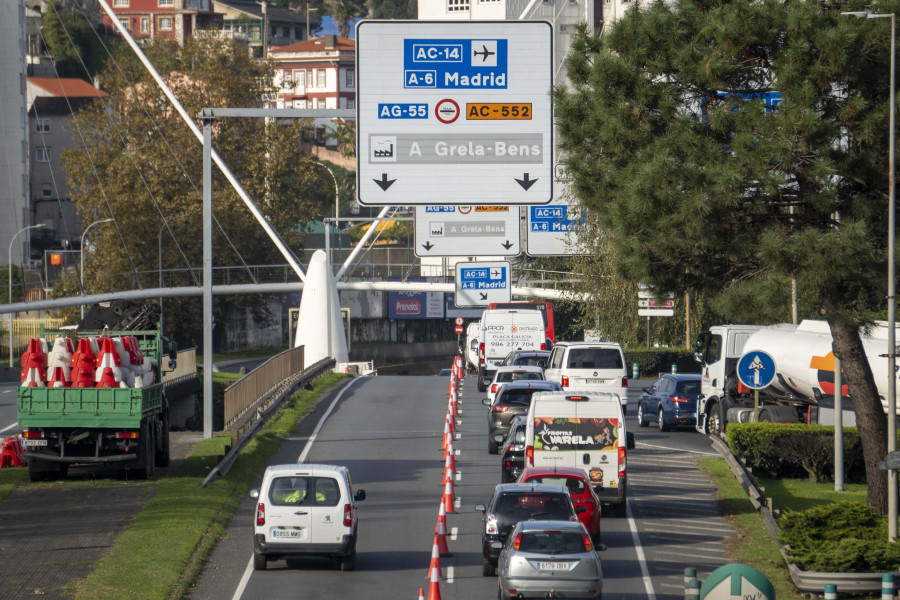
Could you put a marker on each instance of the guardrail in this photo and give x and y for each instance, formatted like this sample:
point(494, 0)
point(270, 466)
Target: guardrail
point(243, 396)
point(307, 375)
point(185, 366)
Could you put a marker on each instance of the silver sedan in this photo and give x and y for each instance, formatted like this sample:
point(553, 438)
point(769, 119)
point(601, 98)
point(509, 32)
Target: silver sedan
point(549, 559)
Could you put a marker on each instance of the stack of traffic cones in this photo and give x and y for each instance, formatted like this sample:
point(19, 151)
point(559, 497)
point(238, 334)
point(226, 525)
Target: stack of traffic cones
point(109, 365)
point(34, 364)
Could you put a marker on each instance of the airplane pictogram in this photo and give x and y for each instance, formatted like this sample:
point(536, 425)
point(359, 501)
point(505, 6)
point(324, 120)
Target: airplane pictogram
point(485, 53)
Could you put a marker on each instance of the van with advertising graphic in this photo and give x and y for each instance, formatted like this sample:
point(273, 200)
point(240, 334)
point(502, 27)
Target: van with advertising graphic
point(502, 331)
point(585, 431)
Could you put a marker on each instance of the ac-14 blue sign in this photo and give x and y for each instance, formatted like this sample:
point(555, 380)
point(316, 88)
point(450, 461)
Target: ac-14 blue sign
point(455, 64)
point(481, 283)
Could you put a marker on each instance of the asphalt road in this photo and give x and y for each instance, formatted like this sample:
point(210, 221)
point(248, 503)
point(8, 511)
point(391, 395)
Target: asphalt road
point(387, 430)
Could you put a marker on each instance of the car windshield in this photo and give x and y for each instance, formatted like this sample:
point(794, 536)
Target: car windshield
point(531, 361)
point(575, 485)
point(552, 542)
point(507, 376)
point(595, 358)
point(525, 506)
point(689, 387)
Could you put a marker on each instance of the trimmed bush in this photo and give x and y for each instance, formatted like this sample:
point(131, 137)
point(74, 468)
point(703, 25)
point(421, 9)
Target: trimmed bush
point(840, 537)
point(654, 361)
point(795, 450)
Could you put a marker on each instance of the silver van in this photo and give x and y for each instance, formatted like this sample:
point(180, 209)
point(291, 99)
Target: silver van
point(305, 509)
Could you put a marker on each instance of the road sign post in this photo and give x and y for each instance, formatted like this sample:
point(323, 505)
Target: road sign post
point(756, 370)
point(454, 112)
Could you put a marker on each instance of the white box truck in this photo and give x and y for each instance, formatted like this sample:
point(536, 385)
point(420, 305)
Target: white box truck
point(505, 330)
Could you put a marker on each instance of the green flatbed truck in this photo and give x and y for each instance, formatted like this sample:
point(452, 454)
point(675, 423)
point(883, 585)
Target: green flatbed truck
point(124, 427)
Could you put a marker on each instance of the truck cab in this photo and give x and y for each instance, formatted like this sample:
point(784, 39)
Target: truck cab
point(718, 350)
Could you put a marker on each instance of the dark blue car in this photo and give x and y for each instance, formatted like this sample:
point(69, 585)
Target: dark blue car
point(671, 401)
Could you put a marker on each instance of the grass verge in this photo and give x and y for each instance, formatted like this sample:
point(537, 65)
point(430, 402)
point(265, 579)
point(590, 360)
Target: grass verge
point(160, 554)
point(753, 545)
point(10, 479)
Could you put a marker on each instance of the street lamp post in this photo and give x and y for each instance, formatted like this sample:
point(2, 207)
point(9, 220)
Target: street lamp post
point(9, 268)
point(336, 207)
point(82, 255)
point(891, 293)
point(308, 9)
point(159, 270)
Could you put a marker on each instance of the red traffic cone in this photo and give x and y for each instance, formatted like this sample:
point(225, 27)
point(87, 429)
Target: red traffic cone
point(446, 433)
point(434, 588)
point(448, 497)
point(107, 379)
point(58, 378)
point(435, 560)
point(441, 538)
point(421, 594)
point(451, 423)
point(449, 461)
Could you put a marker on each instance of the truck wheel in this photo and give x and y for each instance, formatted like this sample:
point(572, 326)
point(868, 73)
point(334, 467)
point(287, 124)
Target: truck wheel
point(259, 561)
point(36, 470)
point(765, 416)
point(641, 417)
point(661, 421)
point(144, 467)
point(162, 453)
point(715, 424)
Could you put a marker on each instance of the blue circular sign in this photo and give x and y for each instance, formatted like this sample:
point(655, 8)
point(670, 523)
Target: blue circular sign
point(756, 369)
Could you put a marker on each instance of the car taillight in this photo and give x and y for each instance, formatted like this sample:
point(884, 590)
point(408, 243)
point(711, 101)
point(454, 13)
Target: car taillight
point(348, 515)
point(543, 345)
point(481, 352)
point(680, 399)
point(624, 382)
point(500, 408)
point(494, 388)
point(518, 541)
point(587, 542)
point(127, 435)
point(529, 452)
point(508, 463)
point(32, 433)
point(565, 381)
point(490, 525)
point(621, 462)
point(260, 514)
point(510, 448)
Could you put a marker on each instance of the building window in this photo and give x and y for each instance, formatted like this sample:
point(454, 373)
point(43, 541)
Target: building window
point(299, 103)
point(309, 78)
point(46, 190)
point(457, 5)
point(320, 77)
point(42, 126)
point(351, 103)
point(298, 33)
point(42, 154)
point(320, 103)
point(273, 31)
point(288, 80)
point(350, 75)
point(166, 2)
point(126, 23)
point(165, 23)
point(299, 77)
point(145, 25)
point(120, 3)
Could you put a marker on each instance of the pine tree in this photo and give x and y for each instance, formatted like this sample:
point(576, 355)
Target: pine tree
point(703, 178)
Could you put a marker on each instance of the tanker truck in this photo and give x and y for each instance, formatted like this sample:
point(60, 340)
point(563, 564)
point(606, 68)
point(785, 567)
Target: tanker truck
point(803, 388)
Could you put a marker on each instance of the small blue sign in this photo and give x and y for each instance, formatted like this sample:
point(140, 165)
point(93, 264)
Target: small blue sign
point(455, 64)
point(552, 219)
point(402, 111)
point(756, 369)
point(482, 278)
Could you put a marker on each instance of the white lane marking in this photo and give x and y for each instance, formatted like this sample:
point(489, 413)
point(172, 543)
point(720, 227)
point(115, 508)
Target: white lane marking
point(450, 574)
point(454, 531)
point(639, 550)
point(245, 578)
point(8, 427)
point(644, 445)
point(7, 391)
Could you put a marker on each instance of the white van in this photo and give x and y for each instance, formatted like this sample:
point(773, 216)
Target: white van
point(473, 333)
point(305, 509)
point(589, 367)
point(584, 431)
point(505, 330)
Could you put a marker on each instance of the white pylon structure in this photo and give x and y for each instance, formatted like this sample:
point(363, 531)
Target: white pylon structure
point(320, 314)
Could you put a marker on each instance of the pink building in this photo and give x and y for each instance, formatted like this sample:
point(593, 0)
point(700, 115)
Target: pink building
point(316, 73)
point(167, 19)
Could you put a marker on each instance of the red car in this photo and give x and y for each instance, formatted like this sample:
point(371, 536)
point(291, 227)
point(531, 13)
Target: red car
point(579, 486)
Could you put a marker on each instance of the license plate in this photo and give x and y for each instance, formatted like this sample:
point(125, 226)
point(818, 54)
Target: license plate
point(600, 381)
point(552, 566)
point(34, 442)
point(287, 533)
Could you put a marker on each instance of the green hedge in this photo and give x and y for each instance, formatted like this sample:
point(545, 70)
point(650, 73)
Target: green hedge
point(654, 361)
point(842, 537)
point(793, 450)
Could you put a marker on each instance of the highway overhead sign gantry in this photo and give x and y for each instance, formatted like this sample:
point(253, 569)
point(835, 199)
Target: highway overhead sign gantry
point(756, 369)
point(454, 112)
point(482, 283)
point(446, 230)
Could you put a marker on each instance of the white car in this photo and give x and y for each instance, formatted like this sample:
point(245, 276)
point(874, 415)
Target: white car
point(513, 373)
point(589, 367)
point(305, 509)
